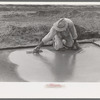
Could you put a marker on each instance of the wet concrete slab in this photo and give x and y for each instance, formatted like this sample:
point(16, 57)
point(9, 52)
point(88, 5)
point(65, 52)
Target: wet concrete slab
point(7, 69)
point(58, 66)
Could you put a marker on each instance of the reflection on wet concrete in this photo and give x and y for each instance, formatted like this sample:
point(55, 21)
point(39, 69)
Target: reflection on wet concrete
point(62, 66)
point(58, 66)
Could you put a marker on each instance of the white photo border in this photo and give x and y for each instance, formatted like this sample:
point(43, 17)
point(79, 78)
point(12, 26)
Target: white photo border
point(41, 89)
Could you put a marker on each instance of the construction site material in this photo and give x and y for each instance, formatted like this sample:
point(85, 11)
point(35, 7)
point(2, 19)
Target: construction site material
point(58, 66)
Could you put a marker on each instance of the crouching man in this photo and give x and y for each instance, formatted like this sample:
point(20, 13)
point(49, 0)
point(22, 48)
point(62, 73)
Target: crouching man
point(63, 34)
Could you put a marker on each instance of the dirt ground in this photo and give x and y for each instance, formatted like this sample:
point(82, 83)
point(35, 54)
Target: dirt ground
point(26, 25)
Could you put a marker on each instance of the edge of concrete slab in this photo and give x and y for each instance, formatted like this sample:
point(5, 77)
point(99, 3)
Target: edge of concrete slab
point(50, 44)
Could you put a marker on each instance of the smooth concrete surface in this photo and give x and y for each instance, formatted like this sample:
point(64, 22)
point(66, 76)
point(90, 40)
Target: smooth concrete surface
point(8, 71)
point(58, 66)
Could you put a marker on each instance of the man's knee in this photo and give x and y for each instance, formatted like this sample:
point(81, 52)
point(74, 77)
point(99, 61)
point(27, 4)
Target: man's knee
point(57, 46)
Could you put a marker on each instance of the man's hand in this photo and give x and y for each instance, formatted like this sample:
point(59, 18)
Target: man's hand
point(37, 50)
point(75, 45)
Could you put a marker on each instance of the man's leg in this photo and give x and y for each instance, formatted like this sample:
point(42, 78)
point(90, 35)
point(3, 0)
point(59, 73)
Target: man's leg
point(72, 44)
point(69, 41)
point(57, 43)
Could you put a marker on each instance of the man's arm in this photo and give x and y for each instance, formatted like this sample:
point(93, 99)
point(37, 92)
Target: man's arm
point(47, 38)
point(74, 34)
point(37, 48)
point(72, 30)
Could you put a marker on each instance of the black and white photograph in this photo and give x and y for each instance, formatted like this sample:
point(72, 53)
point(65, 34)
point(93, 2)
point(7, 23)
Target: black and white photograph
point(51, 43)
